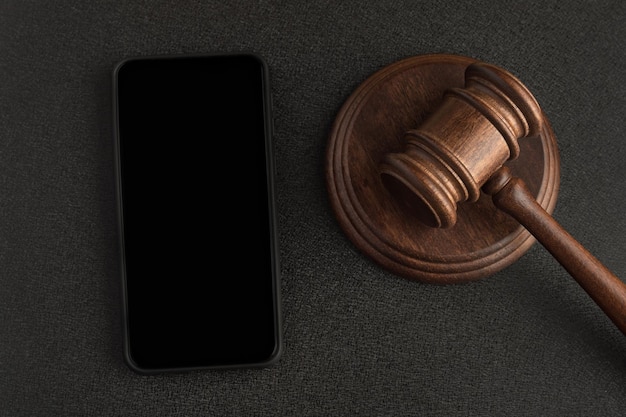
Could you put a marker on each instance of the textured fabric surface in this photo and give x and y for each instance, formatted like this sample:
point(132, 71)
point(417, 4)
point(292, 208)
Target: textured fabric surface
point(358, 340)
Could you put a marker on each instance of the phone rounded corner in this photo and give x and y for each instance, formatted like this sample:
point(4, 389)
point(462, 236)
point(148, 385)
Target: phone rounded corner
point(134, 366)
point(256, 56)
point(275, 356)
point(118, 66)
point(260, 59)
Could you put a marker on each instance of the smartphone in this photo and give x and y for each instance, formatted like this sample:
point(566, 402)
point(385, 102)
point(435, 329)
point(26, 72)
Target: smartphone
point(195, 193)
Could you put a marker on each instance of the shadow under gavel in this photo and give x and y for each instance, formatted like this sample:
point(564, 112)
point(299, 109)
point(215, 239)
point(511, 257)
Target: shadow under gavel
point(461, 148)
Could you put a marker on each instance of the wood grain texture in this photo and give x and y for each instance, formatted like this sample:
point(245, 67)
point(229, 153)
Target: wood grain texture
point(471, 134)
point(511, 195)
point(372, 124)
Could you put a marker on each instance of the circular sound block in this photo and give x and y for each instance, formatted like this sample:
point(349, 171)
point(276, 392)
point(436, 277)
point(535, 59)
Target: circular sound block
point(372, 123)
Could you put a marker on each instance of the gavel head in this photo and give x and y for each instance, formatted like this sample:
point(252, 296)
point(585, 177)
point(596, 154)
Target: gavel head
point(457, 148)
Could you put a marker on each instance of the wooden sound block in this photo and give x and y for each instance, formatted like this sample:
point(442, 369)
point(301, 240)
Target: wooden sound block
point(371, 124)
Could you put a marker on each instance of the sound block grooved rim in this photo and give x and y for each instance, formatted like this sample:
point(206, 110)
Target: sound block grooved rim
point(370, 124)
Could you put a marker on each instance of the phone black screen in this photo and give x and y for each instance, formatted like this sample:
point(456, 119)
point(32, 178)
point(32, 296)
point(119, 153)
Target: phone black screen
point(196, 212)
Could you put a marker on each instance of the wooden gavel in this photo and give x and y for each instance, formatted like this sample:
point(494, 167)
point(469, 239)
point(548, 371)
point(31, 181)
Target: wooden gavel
point(462, 147)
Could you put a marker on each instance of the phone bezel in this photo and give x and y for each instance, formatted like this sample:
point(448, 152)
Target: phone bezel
point(270, 174)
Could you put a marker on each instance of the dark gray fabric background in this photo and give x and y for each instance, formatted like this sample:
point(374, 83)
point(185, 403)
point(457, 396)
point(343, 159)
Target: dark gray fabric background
point(358, 340)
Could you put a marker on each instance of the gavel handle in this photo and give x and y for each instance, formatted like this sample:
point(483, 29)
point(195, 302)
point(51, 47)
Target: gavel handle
point(511, 195)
